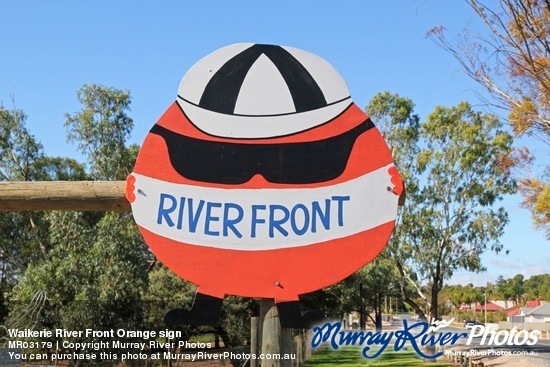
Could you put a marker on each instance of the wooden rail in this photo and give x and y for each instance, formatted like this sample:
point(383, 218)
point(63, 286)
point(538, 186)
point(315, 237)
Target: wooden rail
point(63, 195)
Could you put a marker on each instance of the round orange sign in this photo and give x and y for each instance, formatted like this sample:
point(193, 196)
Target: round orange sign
point(263, 178)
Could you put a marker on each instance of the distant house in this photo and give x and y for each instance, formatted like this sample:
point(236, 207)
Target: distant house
point(537, 314)
point(479, 307)
point(518, 313)
point(506, 304)
point(513, 311)
point(534, 303)
point(491, 307)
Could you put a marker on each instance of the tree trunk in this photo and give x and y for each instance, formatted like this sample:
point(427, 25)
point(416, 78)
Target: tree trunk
point(404, 295)
point(362, 310)
point(434, 314)
point(379, 312)
point(435, 302)
point(437, 285)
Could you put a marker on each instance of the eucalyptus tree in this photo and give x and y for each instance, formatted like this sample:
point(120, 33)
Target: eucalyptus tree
point(97, 271)
point(510, 60)
point(93, 268)
point(454, 175)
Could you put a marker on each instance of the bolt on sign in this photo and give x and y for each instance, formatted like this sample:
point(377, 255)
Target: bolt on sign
point(263, 179)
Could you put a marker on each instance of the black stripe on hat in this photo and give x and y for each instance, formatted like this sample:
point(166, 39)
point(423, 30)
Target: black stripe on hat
point(222, 91)
point(305, 91)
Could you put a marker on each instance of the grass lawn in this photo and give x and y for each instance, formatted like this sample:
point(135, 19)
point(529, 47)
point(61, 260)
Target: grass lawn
point(351, 357)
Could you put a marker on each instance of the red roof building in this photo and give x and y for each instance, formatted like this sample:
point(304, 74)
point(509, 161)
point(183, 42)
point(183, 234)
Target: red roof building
point(513, 311)
point(534, 303)
point(491, 307)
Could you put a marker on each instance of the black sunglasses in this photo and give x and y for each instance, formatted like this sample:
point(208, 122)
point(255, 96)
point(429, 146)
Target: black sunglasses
point(285, 163)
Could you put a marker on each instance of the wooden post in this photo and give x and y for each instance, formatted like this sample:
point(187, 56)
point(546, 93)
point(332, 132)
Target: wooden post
point(276, 341)
point(63, 195)
point(298, 340)
point(254, 341)
point(308, 349)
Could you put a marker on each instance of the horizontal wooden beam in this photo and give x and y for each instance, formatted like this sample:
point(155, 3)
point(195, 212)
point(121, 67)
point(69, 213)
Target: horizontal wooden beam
point(63, 195)
point(69, 195)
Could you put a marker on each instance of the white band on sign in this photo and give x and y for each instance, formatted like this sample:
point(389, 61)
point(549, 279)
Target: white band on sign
point(263, 219)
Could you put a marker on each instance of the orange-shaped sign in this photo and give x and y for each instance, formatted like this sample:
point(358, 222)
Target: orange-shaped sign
point(263, 178)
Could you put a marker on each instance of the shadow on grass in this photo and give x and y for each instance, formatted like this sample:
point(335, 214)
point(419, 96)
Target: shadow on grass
point(351, 357)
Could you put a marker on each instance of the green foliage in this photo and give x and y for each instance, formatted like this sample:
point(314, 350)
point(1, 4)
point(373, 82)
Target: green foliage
point(59, 169)
point(94, 274)
point(460, 164)
point(512, 63)
point(235, 320)
point(512, 288)
point(395, 118)
point(363, 288)
point(23, 158)
point(93, 277)
point(23, 233)
point(522, 290)
point(381, 268)
point(67, 269)
point(459, 294)
point(337, 300)
point(463, 181)
point(19, 150)
point(453, 178)
point(78, 270)
point(516, 288)
point(536, 195)
point(165, 291)
point(101, 129)
point(538, 286)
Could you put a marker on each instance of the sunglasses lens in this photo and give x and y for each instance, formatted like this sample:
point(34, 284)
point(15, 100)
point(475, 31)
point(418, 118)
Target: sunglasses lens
point(286, 163)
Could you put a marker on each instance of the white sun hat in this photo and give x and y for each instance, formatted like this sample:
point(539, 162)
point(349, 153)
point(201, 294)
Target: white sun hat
point(251, 91)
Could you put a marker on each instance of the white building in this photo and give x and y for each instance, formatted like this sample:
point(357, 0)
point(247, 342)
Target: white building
point(537, 314)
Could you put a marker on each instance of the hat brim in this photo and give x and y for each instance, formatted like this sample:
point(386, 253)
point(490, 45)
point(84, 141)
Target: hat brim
point(258, 127)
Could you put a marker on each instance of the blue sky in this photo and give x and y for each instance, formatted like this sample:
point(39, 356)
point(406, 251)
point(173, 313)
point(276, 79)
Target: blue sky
point(51, 48)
